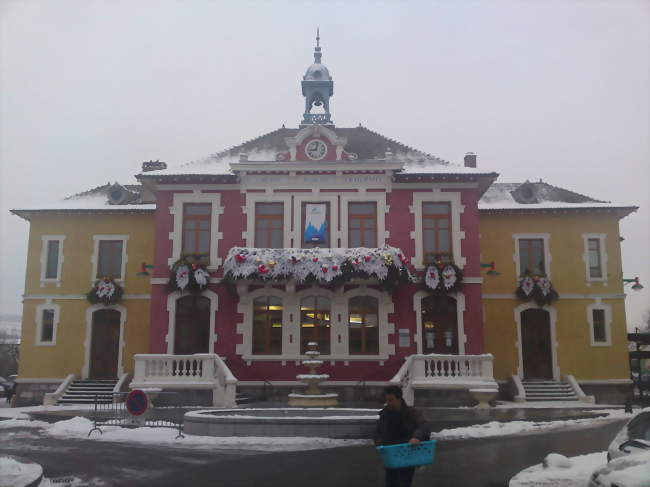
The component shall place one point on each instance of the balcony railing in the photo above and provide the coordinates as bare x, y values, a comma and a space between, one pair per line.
198, 371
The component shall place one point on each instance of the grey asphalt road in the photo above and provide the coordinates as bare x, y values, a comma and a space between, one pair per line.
488, 462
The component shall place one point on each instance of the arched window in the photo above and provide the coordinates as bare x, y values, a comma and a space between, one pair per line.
315, 323
192, 327
363, 323
267, 326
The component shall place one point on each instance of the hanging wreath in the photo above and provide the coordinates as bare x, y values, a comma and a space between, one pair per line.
187, 274
105, 291
443, 277
536, 288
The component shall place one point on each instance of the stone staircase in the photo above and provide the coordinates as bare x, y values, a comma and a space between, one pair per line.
84, 391
548, 390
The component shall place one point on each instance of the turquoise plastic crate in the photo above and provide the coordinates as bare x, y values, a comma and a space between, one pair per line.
407, 455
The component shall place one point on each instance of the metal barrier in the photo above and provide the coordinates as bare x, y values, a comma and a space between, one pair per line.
115, 413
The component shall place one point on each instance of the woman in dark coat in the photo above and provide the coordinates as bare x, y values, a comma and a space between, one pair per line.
400, 423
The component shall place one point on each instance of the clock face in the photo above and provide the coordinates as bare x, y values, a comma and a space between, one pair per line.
316, 150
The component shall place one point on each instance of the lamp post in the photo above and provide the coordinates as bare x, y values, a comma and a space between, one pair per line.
493, 268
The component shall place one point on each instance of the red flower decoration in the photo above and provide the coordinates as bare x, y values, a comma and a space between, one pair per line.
335, 268
367, 258
263, 269
315, 259
324, 268
240, 258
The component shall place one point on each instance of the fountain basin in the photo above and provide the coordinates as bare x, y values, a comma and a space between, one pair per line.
339, 423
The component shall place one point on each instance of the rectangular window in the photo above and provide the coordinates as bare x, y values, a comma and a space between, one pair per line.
109, 259
595, 258
362, 225
197, 219
531, 256
269, 225
315, 323
600, 333
436, 231
47, 326
52, 259
315, 223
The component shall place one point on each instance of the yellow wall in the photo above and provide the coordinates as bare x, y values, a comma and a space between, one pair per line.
575, 354
67, 356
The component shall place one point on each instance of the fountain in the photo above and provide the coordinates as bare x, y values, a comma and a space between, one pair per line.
313, 397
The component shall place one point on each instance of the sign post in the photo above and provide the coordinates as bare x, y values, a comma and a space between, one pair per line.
137, 404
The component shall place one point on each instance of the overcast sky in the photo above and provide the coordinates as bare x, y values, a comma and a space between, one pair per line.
547, 89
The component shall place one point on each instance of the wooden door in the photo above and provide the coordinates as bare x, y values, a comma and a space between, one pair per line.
192, 326
439, 333
536, 344
105, 344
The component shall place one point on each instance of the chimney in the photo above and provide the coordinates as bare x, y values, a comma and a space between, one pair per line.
470, 160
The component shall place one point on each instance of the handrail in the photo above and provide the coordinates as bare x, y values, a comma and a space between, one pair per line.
51, 398
521, 392
578, 390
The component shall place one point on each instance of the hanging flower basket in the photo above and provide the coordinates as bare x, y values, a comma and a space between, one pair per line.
105, 291
187, 274
536, 288
443, 277
335, 266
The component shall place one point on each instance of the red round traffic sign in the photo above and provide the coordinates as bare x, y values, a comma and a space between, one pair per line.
137, 402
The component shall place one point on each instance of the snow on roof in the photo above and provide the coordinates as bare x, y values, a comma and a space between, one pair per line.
434, 167
539, 196
92, 203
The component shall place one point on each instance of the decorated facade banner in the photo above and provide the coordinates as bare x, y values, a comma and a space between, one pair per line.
188, 276
315, 223
536, 288
334, 266
443, 278
105, 291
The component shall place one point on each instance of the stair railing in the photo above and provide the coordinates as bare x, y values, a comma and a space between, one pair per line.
51, 398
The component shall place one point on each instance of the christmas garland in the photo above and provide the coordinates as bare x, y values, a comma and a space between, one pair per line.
443, 278
536, 288
105, 291
333, 267
188, 275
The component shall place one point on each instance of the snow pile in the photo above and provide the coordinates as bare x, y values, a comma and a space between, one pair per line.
630, 471
22, 423
72, 427
574, 476
555, 460
15, 474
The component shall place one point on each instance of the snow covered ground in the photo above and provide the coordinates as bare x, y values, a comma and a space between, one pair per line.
575, 475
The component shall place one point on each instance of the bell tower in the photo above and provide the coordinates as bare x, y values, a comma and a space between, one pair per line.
317, 88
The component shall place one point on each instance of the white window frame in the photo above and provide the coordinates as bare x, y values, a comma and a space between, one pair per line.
47, 305
601, 237
335, 305
176, 236
608, 323
460, 313
95, 257
379, 198
59, 271
249, 210
457, 209
546, 237
172, 299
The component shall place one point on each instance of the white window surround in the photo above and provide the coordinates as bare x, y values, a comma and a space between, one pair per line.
460, 312
39, 322
95, 257
546, 237
59, 269
598, 304
249, 210
291, 323
603, 256
176, 236
382, 208
437, 196
553, 324
85, 371
172, 298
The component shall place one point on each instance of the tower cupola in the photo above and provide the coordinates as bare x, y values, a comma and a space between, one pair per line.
317, 88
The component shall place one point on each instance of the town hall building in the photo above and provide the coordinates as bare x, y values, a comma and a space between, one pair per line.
211, 278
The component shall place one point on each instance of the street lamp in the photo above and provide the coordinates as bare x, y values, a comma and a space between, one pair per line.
637, 286
493, 269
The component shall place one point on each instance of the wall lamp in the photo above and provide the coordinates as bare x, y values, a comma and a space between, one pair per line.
636, 286
493, 269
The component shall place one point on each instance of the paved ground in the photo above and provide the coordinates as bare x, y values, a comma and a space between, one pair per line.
483, 462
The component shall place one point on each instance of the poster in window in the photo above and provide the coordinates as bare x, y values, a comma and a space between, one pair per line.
315, 223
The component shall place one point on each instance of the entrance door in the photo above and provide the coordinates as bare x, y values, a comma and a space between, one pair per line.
439, 333
192, 326
536, 344
105, 344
